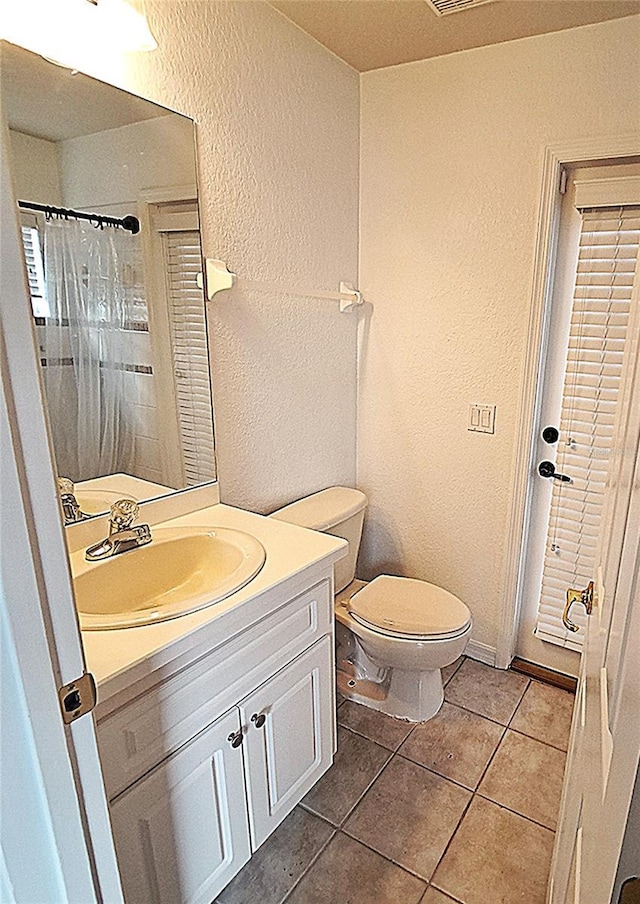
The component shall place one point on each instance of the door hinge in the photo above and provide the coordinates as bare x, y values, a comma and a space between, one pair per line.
562, 184
77, 698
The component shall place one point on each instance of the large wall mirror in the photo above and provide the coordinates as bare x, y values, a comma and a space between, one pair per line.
106, 183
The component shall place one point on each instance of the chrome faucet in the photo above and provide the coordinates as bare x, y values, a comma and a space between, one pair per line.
123, 535
70, 505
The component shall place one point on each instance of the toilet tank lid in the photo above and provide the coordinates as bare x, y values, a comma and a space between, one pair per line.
324, 509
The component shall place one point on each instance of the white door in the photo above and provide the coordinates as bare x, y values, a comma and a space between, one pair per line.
182, 831
40, 624
604, 750
289, 742
587, 331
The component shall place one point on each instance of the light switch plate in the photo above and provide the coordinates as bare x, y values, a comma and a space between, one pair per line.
482, 418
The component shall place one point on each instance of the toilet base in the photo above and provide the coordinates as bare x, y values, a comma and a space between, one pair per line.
411, 696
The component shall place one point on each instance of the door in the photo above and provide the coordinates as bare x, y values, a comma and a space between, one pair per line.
41, 641
181, 831
289, 740
588, 329
604, 749
173, 267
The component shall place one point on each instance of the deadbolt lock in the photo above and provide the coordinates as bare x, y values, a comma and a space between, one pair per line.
585, 597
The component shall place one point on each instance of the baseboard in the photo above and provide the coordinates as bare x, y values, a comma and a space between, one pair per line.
549, 676
481, 651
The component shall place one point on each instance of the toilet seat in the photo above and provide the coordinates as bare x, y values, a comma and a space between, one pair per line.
408, 608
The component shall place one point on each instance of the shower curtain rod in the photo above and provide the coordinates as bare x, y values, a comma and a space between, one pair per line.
131, 224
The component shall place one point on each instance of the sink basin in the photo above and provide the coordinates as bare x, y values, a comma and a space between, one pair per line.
180, 571
94, 502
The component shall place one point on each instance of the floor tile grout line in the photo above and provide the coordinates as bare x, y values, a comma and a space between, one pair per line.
469, 802
352, 808
446, 778
360, 735
342, 828
453, 835
447, 894
482, 715
539, 740
368, 738
445, 683
515, 812
366, 790
387, 858
312, 863
519, 703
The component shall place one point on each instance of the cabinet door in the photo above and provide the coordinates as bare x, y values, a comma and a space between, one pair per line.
181, 832
287, 751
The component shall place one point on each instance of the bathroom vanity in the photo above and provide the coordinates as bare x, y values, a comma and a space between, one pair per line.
214, 725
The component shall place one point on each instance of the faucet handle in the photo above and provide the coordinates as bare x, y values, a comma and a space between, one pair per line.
65, 486
123, 513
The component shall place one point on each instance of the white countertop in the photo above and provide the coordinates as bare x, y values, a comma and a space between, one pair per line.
116, 657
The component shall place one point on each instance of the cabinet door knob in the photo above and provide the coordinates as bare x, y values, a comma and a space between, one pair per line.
258, 720
235, 738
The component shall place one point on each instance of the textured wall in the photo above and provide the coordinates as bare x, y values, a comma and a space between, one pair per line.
451, 165
153, 153
278, 161
35, 168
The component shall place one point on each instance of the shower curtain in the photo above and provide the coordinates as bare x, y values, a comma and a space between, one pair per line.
85, 378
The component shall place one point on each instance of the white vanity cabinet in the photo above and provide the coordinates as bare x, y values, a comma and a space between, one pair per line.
286, 754
181, 831
201, 768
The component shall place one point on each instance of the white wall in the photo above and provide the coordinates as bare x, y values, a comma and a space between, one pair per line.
277, 125
451, 165
34, 165
116, 165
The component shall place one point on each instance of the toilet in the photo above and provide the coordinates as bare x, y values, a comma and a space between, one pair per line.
394, 634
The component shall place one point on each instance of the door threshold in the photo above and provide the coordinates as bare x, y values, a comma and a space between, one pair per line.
541, 673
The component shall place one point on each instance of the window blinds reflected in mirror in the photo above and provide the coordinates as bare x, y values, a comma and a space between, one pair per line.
183, 264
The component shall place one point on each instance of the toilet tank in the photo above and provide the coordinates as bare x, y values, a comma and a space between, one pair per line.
338, 511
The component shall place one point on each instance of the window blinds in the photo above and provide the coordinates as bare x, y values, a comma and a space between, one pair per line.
190, 358
607, 262
35, 270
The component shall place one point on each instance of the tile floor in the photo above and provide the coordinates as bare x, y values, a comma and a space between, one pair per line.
459, 809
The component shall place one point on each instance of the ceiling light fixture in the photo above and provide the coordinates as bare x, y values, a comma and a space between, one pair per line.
60, 29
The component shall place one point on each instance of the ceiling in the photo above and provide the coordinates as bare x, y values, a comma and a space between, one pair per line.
372, 34
48, 101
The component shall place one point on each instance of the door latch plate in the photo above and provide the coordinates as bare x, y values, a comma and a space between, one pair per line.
77, 698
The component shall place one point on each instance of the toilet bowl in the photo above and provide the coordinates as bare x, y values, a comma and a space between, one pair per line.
394, 634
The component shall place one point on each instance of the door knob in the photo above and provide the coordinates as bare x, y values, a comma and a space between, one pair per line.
235, 738
258, 720
577, 596
548, 469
